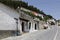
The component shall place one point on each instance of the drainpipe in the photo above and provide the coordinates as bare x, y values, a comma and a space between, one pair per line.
17, 28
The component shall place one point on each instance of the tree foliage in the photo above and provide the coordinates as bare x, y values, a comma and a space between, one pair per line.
11, 3
47, 17
50, 16
15, 4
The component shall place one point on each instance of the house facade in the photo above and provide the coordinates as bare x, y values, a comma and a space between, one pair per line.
29, 23
16, 22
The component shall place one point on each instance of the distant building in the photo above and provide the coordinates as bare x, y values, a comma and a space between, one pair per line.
51, 21
58, 22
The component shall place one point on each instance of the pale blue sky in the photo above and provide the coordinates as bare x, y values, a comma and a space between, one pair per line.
51, 7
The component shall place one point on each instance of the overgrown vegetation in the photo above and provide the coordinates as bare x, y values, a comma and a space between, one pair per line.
15, 4
31, 14
10, 3
47, 17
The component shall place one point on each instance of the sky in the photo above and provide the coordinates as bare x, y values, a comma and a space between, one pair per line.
49, 7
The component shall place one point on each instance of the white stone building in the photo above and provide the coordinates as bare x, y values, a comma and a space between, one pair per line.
8, 19
28, 22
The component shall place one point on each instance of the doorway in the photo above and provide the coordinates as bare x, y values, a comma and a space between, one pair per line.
29, 26
35, 26
22, 26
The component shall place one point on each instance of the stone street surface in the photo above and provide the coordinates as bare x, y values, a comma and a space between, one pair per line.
49, 34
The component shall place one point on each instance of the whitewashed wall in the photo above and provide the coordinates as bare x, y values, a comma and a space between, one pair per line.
7, 16
10, 11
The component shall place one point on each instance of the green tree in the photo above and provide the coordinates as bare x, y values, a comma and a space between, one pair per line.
47, 17
50, 16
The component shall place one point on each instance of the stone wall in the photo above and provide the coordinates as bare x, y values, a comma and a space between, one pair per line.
5, 34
